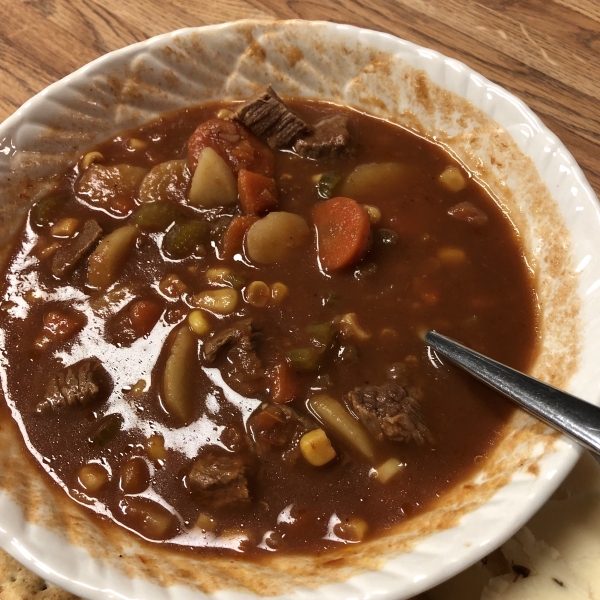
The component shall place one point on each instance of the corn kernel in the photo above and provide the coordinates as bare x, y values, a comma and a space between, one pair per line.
388, 469
91, 157
92, 477
373, 212
137, 144
316, 448
258, 293
453, 179
206, 522
220, 302
451, 256
172, 286
199, 323
138, 388
225, 113
155, 449
353, 530
65, 227
278, 292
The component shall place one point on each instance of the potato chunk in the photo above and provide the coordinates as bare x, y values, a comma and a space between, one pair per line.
166, 182
366, 179
177, 396
276, 237
213, 183
108, 258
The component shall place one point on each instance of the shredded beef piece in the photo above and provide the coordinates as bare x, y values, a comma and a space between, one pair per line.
220, 479
67, 257
390, 410
329, 139
77, 384
245, 368
268, 118
279, 428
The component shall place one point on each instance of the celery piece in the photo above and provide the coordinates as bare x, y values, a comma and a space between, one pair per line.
183, 238
156, 216
305, 359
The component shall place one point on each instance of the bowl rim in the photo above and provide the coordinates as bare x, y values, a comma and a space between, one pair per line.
567, 451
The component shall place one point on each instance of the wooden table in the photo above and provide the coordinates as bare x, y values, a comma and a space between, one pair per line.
547, 52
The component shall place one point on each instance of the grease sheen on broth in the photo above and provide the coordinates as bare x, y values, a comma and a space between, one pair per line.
428, 265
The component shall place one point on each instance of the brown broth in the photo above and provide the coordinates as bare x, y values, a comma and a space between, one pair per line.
487, 302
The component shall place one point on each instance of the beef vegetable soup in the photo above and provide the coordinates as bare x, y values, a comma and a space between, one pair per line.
213, 326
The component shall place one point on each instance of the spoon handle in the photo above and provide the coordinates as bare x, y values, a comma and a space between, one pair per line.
570, 415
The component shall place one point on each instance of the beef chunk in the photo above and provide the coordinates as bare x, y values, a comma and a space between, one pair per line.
329, 139
77, 384
244, 367
391, 411
268, 118
279, 428
67, 257
219, 479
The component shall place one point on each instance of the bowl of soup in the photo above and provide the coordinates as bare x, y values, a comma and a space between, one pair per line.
226, 246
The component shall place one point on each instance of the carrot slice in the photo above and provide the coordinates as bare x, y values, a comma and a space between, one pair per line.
234, 143
343, 229
233, 237
284, 384
258, 194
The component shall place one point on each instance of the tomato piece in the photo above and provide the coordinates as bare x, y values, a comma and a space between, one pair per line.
233, 237
235, 144
143, 316
343, 229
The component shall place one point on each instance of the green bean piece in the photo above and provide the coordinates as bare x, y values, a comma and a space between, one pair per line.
322, 334
46, 211
386, 237
305, 359
326, 184
235, 280
106, 429
183, 239
156, 216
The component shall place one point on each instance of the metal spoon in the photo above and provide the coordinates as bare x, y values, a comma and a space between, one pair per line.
570, 415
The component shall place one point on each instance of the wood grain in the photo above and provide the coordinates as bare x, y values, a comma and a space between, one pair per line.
547, 52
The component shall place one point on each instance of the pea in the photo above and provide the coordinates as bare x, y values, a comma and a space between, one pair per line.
183, 238
156, 216
305, 359
326, 184
47, 210
386, 237
106, 429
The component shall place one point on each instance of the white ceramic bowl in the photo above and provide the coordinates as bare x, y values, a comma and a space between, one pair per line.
493, 133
